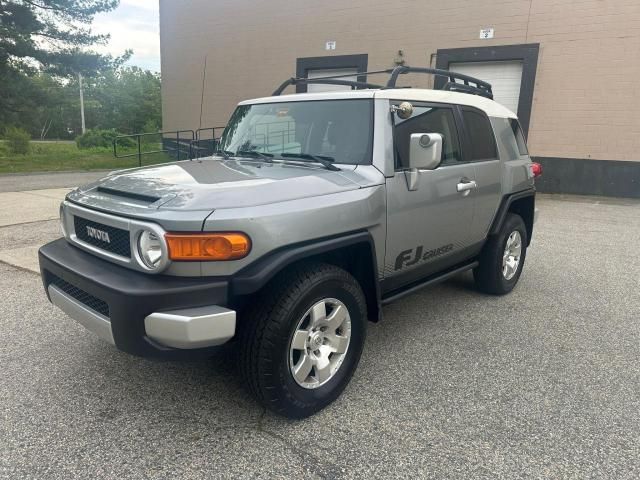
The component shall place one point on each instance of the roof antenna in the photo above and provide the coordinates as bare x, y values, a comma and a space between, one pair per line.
204, 77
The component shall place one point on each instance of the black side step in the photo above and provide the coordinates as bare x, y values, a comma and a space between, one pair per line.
414, 287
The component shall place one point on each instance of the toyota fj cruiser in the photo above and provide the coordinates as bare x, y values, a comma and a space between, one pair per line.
316, 210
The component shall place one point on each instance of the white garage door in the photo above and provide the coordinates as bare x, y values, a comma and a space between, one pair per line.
504, 77
314, 88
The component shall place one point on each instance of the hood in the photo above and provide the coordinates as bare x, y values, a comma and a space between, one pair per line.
209, 184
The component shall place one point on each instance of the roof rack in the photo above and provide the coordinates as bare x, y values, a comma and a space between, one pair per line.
469, 84
331, 80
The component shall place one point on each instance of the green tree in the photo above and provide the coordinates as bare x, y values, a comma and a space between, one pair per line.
53, 108
51, 33
127, 99
46, 36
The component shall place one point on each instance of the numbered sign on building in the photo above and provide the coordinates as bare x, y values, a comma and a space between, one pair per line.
486, 33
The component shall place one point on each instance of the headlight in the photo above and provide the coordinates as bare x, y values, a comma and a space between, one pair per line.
208, 246
63, 225
150, 249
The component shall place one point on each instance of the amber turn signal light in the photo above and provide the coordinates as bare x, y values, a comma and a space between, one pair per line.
207, 246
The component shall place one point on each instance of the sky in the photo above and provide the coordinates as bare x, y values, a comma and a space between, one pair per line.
133, 25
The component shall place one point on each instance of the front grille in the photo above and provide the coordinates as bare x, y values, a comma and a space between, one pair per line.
111, 239
83, 297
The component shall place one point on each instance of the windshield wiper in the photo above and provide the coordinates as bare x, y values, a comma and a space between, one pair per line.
252, 153
324, 160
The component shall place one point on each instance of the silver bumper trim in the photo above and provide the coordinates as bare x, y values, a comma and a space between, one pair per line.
192, 327
92, 321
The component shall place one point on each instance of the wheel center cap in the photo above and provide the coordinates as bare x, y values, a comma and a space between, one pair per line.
316, 340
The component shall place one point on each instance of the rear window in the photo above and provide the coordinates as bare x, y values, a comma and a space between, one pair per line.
517, 132
482, 142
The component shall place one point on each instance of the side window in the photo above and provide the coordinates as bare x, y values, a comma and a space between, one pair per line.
517, 131
482, 142
506, 138
427, 120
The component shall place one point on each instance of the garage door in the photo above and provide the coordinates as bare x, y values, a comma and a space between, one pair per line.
329, 72
504, 77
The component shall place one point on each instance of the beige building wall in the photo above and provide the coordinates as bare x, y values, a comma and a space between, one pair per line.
586, 100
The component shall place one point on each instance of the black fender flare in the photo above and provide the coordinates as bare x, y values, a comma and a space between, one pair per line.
253, 277
504, 207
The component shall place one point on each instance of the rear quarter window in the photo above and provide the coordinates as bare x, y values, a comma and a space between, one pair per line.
482, 144
517, 132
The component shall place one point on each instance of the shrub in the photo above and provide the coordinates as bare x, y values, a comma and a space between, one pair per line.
17, 141
102, 138
4, 150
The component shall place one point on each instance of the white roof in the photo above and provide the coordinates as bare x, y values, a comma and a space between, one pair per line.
491, 108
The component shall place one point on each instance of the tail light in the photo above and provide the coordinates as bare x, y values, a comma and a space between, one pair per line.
536, 169
208, 246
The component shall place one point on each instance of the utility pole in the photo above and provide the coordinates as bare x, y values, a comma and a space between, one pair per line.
81, 103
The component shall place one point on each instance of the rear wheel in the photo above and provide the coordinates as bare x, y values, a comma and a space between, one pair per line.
502, 258
302, 342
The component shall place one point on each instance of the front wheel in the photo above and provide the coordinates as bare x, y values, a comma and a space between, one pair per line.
502, 258
302, 342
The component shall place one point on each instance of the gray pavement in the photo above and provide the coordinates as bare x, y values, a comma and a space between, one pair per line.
541, 383
19, 182
32, 200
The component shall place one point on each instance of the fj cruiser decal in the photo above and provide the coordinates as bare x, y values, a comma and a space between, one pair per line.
405, 258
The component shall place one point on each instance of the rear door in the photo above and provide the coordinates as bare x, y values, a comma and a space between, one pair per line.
430, 228
481, 150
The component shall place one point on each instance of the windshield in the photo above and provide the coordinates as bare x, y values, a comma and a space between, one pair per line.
339, 131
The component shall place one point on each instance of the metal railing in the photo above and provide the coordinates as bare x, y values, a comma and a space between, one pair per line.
202, 145
180, 144
174, 143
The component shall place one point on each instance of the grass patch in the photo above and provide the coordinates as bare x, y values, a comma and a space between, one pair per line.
54, 157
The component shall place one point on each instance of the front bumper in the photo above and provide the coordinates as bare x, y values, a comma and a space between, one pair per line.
146, 315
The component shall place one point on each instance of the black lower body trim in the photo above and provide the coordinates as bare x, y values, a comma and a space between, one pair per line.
437, 278
127, 296
416, 275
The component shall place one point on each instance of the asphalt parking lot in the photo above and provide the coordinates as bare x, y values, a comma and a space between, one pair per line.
542, 383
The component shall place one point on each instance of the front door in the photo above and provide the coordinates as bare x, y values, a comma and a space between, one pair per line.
429, 228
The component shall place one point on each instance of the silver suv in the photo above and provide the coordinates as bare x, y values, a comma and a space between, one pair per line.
316, 210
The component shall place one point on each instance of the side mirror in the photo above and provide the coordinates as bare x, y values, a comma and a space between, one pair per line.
425, 151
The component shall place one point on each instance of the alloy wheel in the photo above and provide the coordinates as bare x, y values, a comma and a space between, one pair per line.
320, 343
512, 255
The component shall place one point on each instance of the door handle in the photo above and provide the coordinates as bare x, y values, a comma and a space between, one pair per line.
466, 186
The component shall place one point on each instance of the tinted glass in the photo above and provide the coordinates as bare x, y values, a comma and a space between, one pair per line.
483, 145
427, 120
506, 138
340, 129
517, 131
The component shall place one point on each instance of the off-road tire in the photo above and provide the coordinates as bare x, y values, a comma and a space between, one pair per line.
266, 331
488, 275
